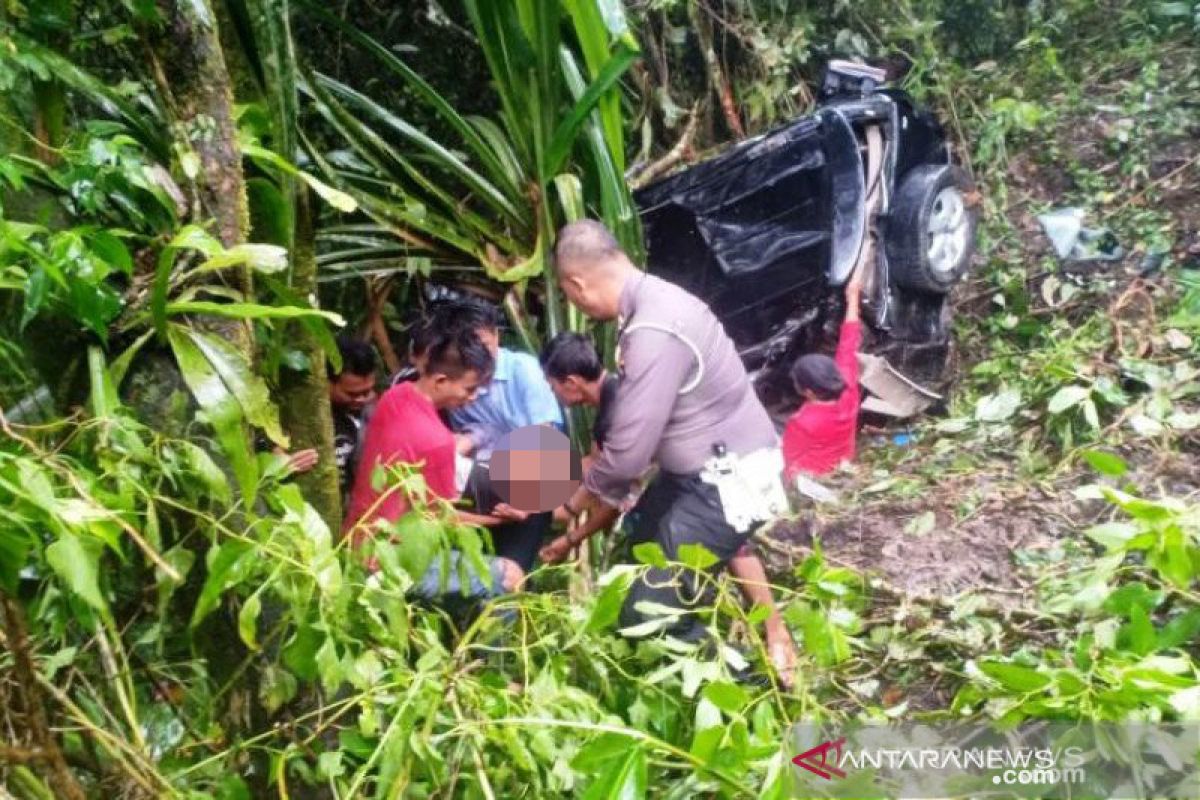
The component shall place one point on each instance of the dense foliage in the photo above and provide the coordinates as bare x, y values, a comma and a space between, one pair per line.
181, 618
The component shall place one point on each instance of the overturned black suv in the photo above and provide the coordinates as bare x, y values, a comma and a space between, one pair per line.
768, 232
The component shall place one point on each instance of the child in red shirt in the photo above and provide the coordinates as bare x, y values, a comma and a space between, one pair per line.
820, 436
406, 429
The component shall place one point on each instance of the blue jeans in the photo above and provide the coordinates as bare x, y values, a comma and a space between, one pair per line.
436, 585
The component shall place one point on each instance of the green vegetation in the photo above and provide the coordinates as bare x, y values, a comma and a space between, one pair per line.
180, 619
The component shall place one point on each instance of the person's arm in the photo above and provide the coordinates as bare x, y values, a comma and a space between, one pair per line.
602, 517
850, 336
657, 365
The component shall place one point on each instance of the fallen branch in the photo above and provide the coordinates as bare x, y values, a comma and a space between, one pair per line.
675, 155
60, 777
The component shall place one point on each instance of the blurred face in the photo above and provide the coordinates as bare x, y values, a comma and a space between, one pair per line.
569, 390
451, 393
352, 392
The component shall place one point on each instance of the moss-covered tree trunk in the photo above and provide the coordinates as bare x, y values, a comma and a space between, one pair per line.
304, 396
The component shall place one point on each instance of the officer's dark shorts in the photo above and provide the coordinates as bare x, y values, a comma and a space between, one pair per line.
677, 510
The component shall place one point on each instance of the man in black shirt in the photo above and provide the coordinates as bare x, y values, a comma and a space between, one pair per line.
351, 393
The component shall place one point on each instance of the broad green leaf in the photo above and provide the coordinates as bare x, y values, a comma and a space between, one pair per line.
649, 553
221, 408
202, 465
1105, 463
1139, 632
250, 311
601, 750
1066, 398
568, 130
1145, 425
248, 621
696, 556
1015, 677
624, 779
607, 609
1112, 535
221, 569
998, 407
76, 561
418, 541
266, 258
1180, 630
729, 697
15, 546
276, 687
247, 387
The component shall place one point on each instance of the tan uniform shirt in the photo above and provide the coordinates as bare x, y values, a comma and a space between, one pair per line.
652, 421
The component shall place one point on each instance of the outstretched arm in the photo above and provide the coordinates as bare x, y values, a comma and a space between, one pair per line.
853, 296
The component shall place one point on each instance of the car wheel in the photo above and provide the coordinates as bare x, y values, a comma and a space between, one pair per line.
931, 233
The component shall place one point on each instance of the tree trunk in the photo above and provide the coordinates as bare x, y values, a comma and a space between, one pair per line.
304, 397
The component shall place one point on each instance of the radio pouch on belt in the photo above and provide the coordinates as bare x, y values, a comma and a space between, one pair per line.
750, 486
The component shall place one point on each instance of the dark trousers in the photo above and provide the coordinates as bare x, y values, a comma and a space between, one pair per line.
678, 510
520, 541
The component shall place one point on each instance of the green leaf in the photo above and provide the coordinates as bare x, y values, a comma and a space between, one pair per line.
221, 571
247, 387
649, 553
76, 561
625, 778
1066, 398
998, 407
266, 258
1139, 632
15, 546
1112, 535
568, 130
607, 609
250, 311
419, 540
600, 751
1015, 677
696, 556
1180, 630
276, 687
203, 467
729, 697
221, 408
1105, 463
248, 621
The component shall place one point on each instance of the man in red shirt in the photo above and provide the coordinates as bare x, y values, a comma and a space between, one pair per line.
406, 429
820, 435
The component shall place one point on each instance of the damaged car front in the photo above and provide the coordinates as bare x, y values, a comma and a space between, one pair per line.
769, 231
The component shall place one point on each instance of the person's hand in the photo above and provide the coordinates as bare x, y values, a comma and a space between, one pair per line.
559, 548
855, 284
300, 461
782, 652
562, 517
506, 512
464, 445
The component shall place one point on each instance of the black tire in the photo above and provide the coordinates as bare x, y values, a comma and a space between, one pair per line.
921, 258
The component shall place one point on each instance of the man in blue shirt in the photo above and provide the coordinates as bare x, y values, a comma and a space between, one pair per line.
518, 395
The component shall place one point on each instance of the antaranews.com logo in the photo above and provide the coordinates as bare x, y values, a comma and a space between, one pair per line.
1036, 760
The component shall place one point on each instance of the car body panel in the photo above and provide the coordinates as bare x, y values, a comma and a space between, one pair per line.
767, 232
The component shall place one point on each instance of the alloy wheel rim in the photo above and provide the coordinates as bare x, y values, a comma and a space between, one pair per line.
948, 231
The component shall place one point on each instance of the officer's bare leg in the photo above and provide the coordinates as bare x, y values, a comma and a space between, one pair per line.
748, 571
